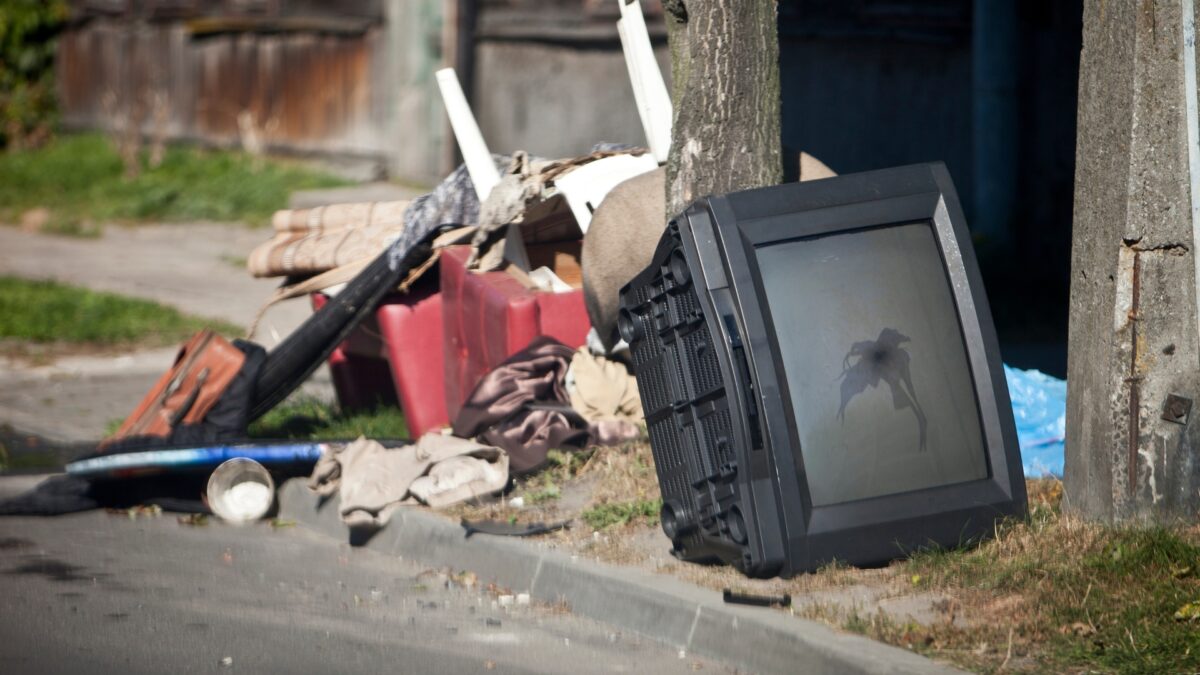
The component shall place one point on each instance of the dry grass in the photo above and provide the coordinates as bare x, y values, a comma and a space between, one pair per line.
1048, 593
575, 485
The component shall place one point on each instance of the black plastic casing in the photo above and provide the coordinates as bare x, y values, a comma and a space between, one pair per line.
713, 388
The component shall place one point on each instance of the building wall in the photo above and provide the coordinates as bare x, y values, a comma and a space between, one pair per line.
867, 88
344, 79
550, 77
354, 79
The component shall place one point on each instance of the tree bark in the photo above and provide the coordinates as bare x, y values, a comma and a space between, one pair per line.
1133, 361
725, 75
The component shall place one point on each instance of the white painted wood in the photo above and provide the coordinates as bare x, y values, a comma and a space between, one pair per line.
466, 131
635, 80
586, 186
654, 99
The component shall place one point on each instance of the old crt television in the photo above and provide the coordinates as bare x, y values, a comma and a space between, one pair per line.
821, 377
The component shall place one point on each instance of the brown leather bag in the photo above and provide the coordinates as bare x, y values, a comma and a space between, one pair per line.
203, 370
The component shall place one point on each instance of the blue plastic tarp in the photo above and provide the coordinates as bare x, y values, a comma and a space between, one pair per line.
1039, 403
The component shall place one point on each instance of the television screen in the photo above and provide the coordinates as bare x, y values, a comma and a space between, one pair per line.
875, 363
821, 376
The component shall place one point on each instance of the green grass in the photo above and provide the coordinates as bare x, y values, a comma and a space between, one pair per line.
309, 418
603, 516
80, 179
47, 311
541, 488
29, 460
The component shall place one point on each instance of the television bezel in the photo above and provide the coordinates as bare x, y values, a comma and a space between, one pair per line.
882, 527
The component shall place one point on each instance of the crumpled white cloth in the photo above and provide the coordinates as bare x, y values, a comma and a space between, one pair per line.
373, 481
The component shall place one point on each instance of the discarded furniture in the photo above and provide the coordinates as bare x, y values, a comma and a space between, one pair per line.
489, 316
395, 356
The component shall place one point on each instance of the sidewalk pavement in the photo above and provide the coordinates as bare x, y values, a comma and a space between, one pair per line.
197, 268
660, 607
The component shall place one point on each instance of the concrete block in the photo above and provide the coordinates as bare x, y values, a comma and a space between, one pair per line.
616, 596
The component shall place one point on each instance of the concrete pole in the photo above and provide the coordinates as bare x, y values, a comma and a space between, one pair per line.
1133, 441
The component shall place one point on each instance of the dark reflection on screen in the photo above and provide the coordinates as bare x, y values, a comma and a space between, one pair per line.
875, 363
882, 360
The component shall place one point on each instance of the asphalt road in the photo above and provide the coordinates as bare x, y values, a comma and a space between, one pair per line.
104, 593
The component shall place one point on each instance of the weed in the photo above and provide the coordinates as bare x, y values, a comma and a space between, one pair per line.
541, 488
567, 463
28, 32
620, 513
310, 418
111, 426
32, 460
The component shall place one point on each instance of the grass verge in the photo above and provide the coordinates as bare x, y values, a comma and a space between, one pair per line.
1053, 593
79, 179
51, 312
313, 419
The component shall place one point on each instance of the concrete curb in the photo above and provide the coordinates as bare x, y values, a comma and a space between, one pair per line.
652, 605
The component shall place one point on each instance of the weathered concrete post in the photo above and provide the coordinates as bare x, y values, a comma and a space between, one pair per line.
1133, 441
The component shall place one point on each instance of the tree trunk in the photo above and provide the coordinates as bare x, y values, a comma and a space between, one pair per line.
1134, 366
725, 75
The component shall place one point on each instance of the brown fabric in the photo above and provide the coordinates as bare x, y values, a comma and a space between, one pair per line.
500, 411
203, 370
613, 432
311, 241
523, 407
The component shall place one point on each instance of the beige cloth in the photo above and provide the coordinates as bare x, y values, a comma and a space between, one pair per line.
346, 273
373, 481
458, 479
602, 389
311, 241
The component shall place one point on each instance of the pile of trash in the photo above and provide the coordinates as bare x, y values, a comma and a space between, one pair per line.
514, 264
